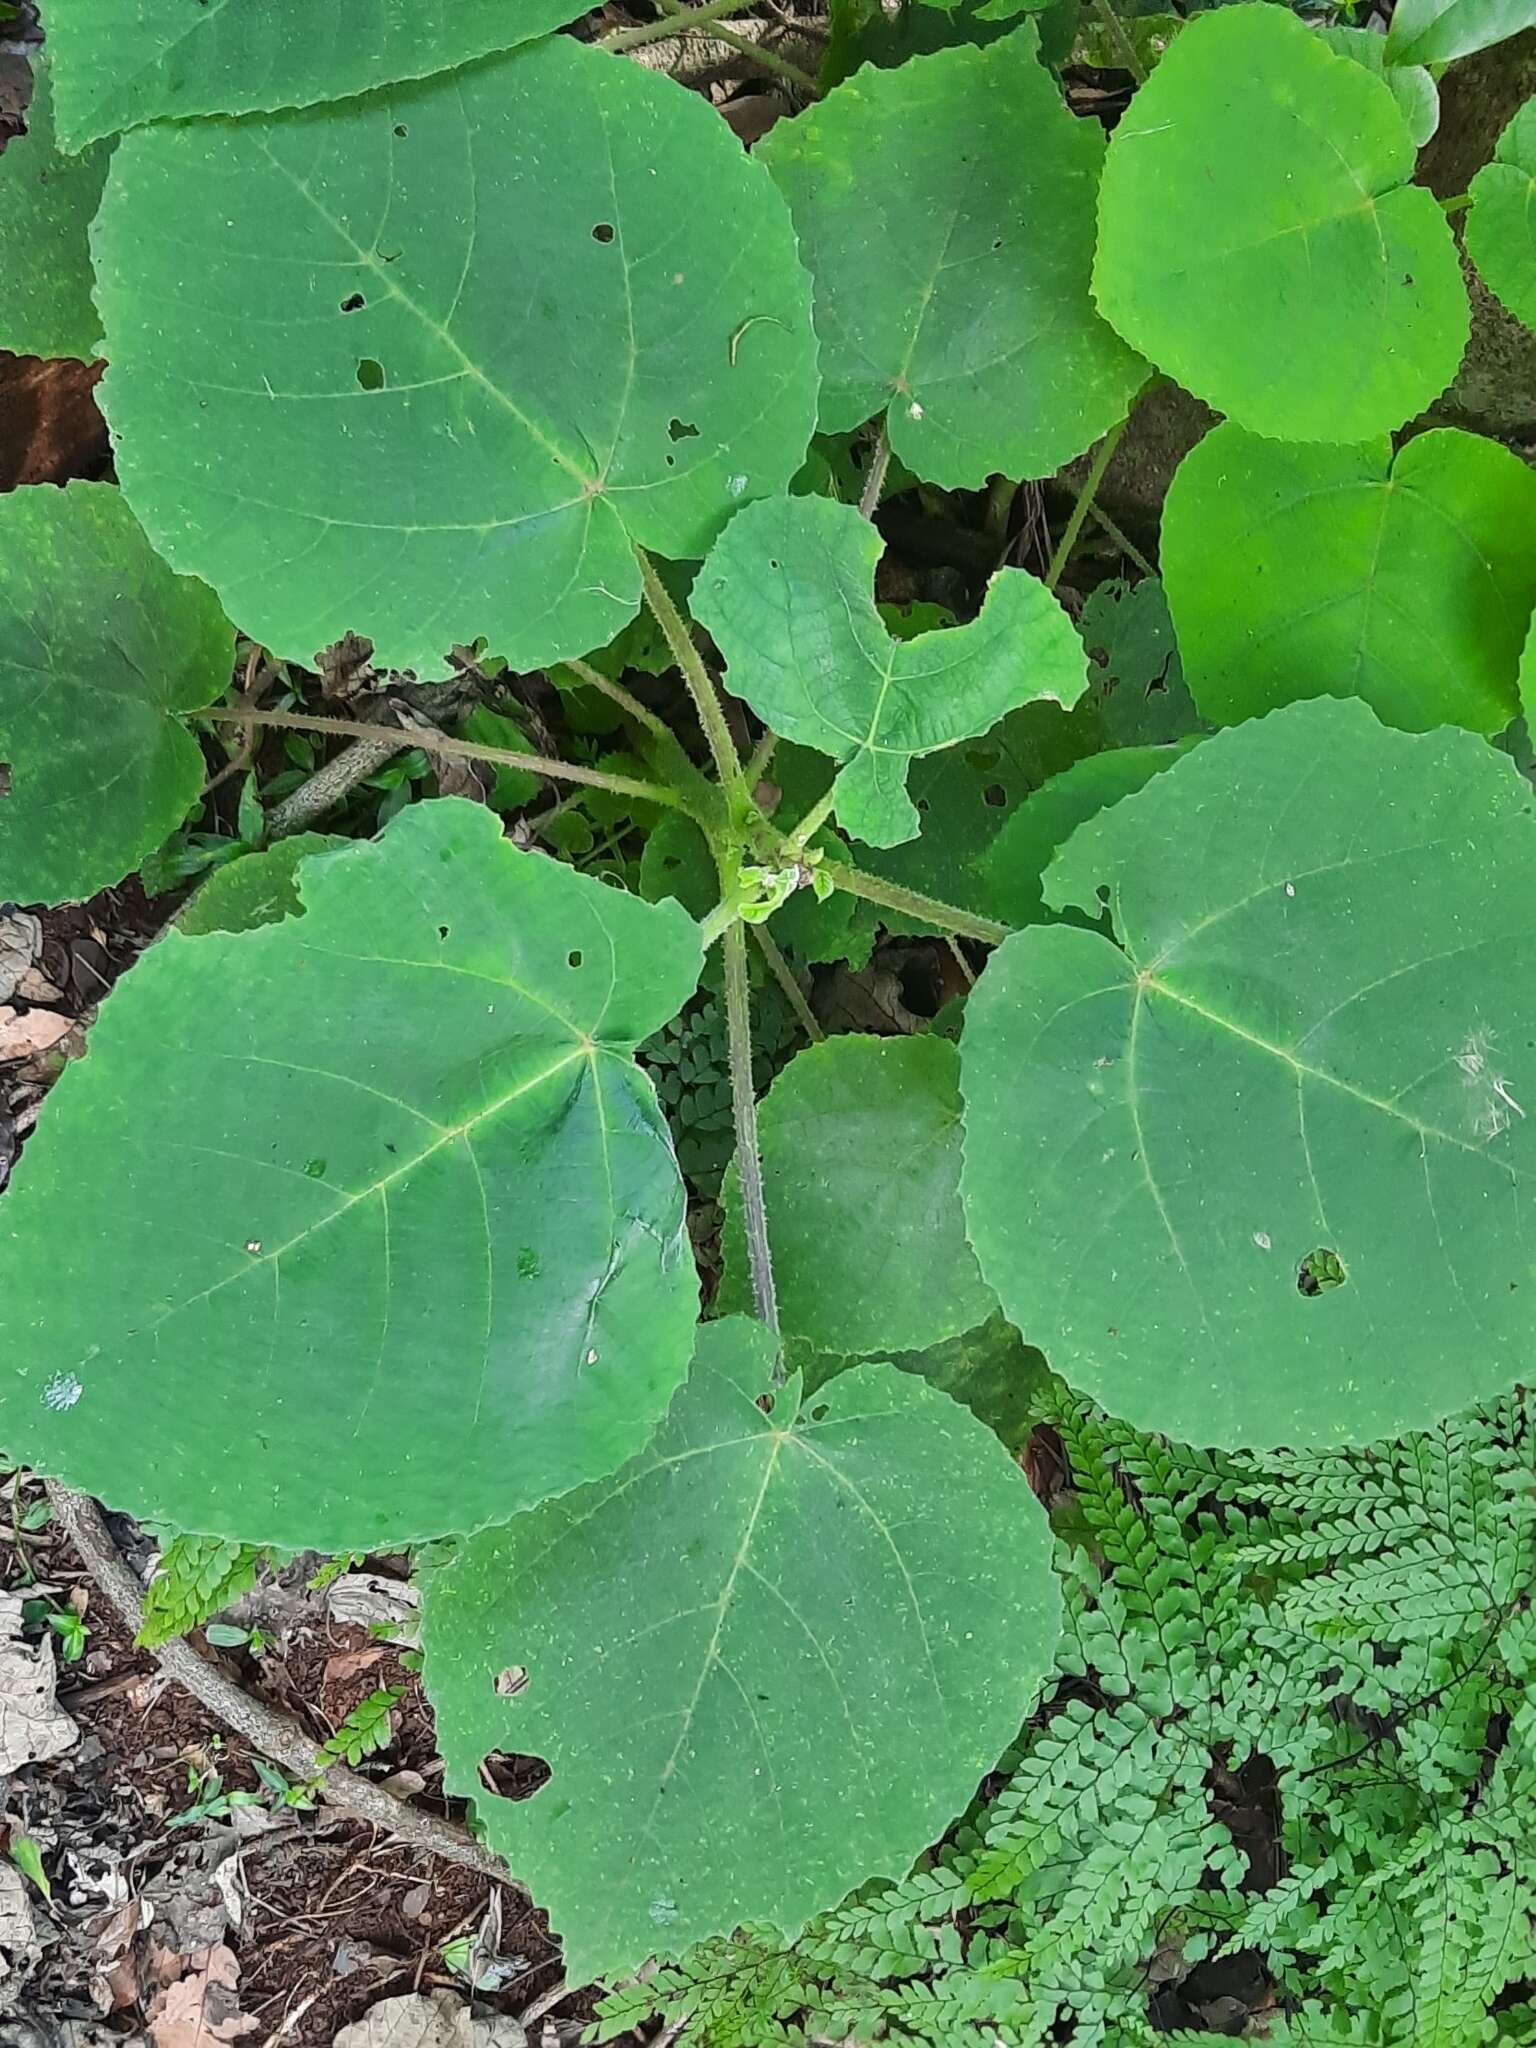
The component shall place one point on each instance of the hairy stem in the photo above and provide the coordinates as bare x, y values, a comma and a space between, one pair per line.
1123, 541
756, 767
1121, 43
668, 25
944, 917
785, 976
274, 1734
749, 1162
814, 819
1104, 455
706, 698
874, 483
759, 54
616, 692
463, 750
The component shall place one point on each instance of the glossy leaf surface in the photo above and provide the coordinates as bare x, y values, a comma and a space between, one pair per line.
1306, 571
1260, 241
1501, 222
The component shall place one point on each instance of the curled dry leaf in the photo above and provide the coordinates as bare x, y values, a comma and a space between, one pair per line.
33, 1727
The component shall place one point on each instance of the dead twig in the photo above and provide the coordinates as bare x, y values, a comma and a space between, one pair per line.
274, 1734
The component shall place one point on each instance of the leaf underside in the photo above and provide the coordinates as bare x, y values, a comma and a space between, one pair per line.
488, 363
394, 1233
761, 1614
101, 646
1325, 953
1260, 241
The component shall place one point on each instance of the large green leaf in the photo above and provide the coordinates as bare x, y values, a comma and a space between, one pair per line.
123, 62
1260, 241
47, 201
765, 1622
101, 647
1308, 571
860, 1140
484, 366
1035, 832
952, 267
1436, 31
1313, 1037
393, 1226
1411, 85
787, 592
1501, 222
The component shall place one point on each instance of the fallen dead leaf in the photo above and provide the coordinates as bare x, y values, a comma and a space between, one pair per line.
21, 940
33, 1727
369, 1600
438, 2020
19, 1944
23, 1037
202, 2009
351, 1664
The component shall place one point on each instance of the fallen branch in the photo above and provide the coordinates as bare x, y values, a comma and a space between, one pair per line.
274, 1734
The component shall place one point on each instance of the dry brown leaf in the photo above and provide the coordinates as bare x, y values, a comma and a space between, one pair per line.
202, 2009
33, 1727
441, 2020
50, 427
350, 1664
24, 1037
21, 940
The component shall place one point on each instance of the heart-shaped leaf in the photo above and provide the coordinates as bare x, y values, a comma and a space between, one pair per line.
394, 1230
787, 593
1259, 238
1438, 31
1501, 221
484, 368
123, 62
762, 1614
101, 647
45, 259
1260, 1172
1309, 571
952, 267
860, 1141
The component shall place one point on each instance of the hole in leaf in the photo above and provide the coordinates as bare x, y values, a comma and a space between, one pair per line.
442, 931
511, 1776
765, 1402
995, 795
370, 375
820, 1412
773, 565
680, 430
923, 806
354, 304
603, 232
997, 245
512, 1681
401, 130
1318, 1272
573, 959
